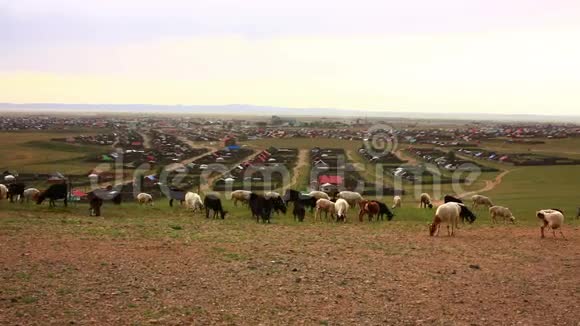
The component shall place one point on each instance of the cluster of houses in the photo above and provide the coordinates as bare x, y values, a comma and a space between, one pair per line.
166, 148
472, 135
378, 156
45, 122
521, 159
215, 129
528, 130
266, 170
331, 171
131, 149
244, 133
447, 161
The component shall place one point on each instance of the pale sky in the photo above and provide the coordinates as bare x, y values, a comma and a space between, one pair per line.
489, 56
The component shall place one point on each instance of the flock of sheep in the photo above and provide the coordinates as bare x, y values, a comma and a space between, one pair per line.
337, 207
454, 209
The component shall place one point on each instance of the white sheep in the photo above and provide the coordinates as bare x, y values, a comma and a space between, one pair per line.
31, 194
351, 197
503, 212
324, 205
425, 201
3, 191
319, 194
241, 196
480, 200
144, 198
272, 194
397, 201
193, 201
553, 219
341, 208
449, 214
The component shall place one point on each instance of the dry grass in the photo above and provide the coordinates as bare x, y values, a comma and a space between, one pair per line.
149, 266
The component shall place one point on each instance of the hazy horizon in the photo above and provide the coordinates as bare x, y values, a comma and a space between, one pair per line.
244, 110
445, 57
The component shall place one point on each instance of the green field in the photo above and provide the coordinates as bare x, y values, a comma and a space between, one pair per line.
34, 152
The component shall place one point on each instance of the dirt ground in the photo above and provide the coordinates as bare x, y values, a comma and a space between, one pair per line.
307, 274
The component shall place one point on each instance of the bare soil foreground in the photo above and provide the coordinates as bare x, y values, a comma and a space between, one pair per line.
56, 270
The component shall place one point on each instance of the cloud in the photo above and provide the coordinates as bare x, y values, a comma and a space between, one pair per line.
448, 55
127, 21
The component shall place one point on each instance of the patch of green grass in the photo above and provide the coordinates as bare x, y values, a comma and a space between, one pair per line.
64, 291
29, 299
528, 189
22, 276
229, 256
34, 152
62, 147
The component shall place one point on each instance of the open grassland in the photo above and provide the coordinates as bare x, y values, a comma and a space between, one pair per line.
161, 265
526, 189
569, 147
34, 152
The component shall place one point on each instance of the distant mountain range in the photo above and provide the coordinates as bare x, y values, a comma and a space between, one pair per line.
255, 110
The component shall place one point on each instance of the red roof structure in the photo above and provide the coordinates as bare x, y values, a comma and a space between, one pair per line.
332, 179
78, 193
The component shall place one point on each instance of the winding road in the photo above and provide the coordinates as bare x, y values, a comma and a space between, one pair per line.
146, 139
206, 186
489, 185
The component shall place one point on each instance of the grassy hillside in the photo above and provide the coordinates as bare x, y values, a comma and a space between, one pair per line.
33, 152
527, 189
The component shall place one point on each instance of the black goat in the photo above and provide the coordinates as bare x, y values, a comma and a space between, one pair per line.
53, 193
213, 203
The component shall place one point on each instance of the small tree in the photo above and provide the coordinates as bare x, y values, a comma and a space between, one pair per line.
450, 156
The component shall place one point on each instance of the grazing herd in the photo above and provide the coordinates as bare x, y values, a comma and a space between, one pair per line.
264, 206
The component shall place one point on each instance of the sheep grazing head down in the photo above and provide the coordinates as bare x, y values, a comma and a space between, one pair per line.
433, 226
466, 213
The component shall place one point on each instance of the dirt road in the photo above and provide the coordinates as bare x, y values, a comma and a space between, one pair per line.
300, 163
489, 185
205, 187
146, 139
404, 157
211, 148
